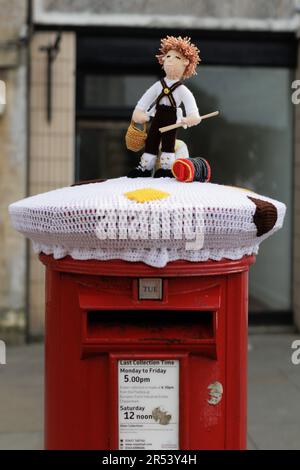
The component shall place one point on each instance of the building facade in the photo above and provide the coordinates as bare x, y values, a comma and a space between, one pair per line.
89, 62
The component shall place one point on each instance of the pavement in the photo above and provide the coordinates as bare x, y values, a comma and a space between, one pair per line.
273, 395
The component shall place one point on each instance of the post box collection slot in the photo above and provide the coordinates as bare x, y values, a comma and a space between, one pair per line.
150, 326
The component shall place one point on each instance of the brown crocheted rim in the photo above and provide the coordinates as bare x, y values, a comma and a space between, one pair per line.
79, 183
265, 216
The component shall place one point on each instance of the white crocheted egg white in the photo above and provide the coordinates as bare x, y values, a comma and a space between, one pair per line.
197, 222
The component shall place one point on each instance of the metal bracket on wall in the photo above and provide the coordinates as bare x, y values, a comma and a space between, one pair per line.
52, 51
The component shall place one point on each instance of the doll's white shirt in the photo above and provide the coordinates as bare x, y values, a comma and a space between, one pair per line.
181, 95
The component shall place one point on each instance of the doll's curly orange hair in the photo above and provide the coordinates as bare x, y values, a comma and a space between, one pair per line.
185, 47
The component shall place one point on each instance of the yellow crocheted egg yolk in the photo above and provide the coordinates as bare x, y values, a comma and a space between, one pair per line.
146, 194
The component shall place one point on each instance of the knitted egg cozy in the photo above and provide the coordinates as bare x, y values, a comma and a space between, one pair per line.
196, 222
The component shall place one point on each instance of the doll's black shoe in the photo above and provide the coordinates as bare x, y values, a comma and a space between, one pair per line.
161, 173
139, 172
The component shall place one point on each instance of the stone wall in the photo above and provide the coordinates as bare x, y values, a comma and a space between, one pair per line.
52, 144
13, 143
254, 14
202, 8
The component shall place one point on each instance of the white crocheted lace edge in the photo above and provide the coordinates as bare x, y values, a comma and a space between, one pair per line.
155, 257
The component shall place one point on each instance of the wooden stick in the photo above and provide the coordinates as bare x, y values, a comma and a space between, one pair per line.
181, 124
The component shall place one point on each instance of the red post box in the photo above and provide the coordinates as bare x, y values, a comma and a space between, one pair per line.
145, 358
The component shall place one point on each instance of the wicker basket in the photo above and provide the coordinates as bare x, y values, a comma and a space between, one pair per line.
135, 138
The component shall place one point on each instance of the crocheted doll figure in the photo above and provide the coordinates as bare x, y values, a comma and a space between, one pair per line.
179, 58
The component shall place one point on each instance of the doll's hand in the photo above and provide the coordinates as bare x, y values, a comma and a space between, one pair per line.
191, 121
139, 116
